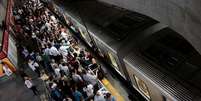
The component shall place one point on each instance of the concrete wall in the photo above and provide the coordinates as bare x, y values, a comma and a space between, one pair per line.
183, 16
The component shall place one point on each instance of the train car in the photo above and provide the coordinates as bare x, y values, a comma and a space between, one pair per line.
110, 30
165, 67
160, 63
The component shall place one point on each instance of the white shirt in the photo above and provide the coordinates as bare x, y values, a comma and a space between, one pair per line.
25, 52
57, 72
48, 25
53, 51
33, 65
64, 50
28, 83
90, 78
46, 51
65, 69
76, 78
64, 35
77, 51
89, 90
99, 98
53, 19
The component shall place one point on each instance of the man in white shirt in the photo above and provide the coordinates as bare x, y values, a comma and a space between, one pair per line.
64, 35
89, 90
48, 26
53, 51
76, 78
57, 72
34, 66
92, 79
30, 85
52, 17
99, 96
65, 68
64, 50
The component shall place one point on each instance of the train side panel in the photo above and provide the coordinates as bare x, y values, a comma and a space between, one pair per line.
143, 85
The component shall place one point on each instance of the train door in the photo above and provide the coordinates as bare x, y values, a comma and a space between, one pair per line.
100, 48
85, 35
114, 62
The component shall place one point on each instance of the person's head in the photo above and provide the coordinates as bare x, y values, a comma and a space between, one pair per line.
63, 64
26, 78
108, 96
74, 88
49, 45
75, 54
29, 60
74, 71
53, 61
84, 71
98, 93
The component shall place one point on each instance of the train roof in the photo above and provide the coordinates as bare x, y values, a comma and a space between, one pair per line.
113, 25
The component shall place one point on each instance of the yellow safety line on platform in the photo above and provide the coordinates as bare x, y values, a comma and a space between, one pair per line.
112, 90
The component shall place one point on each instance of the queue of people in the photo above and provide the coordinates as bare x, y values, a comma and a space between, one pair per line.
55, 56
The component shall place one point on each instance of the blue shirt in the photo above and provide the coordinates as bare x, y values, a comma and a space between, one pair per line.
77, 95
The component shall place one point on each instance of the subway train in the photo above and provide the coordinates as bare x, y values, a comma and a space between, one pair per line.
157, 61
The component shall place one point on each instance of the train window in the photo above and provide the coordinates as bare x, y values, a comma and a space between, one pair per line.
83, 33
67, 19
177, 43
190, 67
127, 24
113, 60
118, 31
142, 87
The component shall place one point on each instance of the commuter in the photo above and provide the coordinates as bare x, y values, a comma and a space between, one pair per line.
34, 66
46, 62
57, 72
56, 94
64, 68
109, 97
53, 51
74, 63
64, 50
89, 78
99, 96
77, 94
76, 78
28, 82
89, 91
25, 52
100, 73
